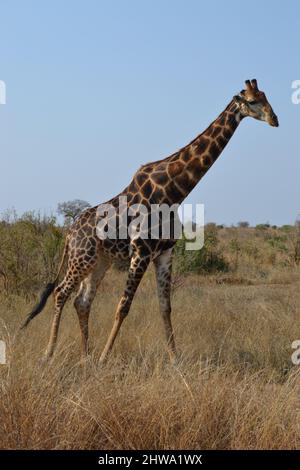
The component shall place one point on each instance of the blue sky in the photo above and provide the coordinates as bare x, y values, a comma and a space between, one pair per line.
96, 88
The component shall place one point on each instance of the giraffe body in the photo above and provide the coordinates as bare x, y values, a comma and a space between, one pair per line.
166, 181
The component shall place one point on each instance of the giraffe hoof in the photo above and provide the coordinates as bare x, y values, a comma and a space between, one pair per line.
174, 361
45, 359
102, 361
85, 360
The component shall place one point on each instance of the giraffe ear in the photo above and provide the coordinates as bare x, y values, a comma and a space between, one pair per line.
240, 99
254, 84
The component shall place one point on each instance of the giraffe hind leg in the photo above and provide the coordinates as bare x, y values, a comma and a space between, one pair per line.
75, 274
61, 295
85, 297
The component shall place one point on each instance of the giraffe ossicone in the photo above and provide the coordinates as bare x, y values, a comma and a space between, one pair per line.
163, 182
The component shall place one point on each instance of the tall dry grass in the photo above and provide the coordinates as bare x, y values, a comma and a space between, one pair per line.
234, 386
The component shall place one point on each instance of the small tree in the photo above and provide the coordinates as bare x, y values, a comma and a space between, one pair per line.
243, 224
71, 209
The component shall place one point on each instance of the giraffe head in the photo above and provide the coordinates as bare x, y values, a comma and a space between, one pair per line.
253, 102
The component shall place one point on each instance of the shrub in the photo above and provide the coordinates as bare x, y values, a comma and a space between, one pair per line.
206, 260
262, 226
29, 250
243, 224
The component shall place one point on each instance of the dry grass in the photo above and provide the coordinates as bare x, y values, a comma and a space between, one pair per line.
234, 386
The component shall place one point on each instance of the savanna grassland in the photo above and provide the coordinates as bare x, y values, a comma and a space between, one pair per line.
236, 312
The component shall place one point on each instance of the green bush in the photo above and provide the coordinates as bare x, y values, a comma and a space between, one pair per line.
29, 250
206, 260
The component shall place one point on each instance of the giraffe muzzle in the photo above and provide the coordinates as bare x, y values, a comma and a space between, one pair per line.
274, 121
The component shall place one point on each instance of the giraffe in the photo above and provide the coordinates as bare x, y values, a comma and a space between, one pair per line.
166, 181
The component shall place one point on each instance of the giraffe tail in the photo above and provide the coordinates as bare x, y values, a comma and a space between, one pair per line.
46, 292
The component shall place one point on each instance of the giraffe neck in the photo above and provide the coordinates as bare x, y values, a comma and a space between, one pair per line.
190, 164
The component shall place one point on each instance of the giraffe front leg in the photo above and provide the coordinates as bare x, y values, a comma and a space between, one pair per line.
137, 269
163, 271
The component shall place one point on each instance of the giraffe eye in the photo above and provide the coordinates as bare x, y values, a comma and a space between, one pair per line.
253, 102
